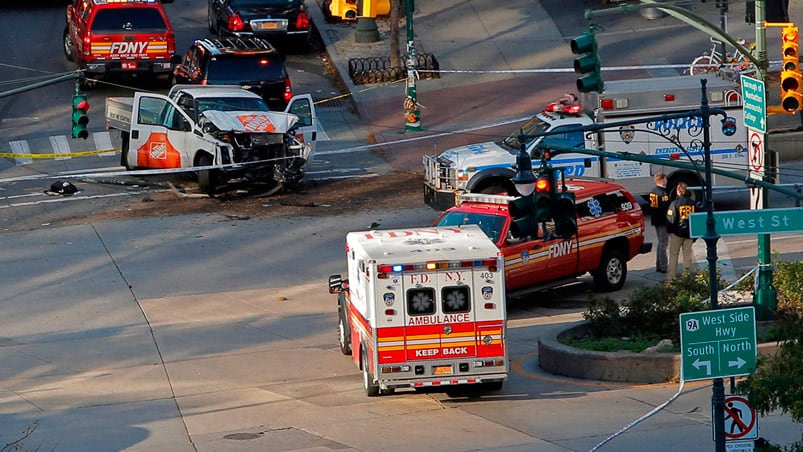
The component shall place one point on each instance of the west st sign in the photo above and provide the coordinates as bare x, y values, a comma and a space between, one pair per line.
719, 343
749, 222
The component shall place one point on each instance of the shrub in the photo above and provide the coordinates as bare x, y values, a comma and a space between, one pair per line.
777, 382
650, 311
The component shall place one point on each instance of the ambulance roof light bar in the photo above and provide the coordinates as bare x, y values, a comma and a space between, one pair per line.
103, 2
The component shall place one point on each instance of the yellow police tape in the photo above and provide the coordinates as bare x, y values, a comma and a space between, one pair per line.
14, 155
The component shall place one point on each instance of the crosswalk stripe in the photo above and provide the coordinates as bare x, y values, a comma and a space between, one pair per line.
724, 262
21, 147
60, 146
103, 140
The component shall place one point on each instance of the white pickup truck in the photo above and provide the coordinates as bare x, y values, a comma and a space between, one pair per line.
224, 132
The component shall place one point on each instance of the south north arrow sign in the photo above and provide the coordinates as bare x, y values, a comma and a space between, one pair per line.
749, 222
719, 343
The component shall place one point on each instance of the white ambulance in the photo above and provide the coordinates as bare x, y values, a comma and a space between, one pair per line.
423, 307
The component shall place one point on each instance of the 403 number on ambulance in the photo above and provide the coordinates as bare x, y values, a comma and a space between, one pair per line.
423, 308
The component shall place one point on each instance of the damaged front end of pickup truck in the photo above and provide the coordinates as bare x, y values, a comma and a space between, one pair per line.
256, 147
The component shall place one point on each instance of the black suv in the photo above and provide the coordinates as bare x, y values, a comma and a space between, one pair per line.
251, 63
268, 19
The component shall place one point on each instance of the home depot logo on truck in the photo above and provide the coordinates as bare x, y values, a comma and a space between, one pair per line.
423, 307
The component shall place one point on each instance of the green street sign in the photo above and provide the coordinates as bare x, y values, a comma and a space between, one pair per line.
754, 104
719, 343
749, 222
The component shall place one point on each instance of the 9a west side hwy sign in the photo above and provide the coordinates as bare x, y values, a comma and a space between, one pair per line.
749, 222
719, 343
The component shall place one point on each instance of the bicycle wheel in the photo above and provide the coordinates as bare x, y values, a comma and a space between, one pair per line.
703, 64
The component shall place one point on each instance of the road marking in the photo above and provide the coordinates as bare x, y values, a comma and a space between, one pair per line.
103, 140
724, 263
50, 200
60, 146
21, 147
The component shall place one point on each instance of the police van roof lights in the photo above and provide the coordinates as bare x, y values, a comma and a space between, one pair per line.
568, 104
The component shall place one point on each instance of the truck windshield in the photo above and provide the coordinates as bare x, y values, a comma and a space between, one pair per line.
491, 225
231, 104
128, 20
533, 126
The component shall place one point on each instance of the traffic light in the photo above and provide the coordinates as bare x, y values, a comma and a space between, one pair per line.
344, 9
80, 108
587, 63
528, 211
375, 8
791, 86
564, 211
523, 222
542, 199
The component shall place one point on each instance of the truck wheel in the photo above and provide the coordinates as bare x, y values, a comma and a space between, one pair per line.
493, 190
371, 388
612, 271
343, 334
124, 152
207, 179
210, 19
691, 181
68, 47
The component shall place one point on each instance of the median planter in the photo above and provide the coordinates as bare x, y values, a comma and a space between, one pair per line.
624, 366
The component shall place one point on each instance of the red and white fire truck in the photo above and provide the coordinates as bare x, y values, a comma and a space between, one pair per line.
422, 308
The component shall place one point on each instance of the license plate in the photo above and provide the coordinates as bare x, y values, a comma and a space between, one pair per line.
129, 65
269, 25
442, 370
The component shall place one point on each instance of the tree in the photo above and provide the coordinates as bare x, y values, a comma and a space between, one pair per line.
395, 16
777, 382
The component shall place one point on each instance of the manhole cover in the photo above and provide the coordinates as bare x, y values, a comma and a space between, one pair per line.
242, 436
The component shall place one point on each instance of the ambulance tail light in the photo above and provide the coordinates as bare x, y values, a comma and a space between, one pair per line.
236, 23
390, 312
490, 363
490, 306
394, 369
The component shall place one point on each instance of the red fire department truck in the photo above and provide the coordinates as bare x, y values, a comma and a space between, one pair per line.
422, 308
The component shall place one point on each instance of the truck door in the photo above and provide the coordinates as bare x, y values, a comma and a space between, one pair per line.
161, 133
303, 107
439, 315
562, 256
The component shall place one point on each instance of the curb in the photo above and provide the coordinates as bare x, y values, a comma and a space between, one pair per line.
628, 367
316, 14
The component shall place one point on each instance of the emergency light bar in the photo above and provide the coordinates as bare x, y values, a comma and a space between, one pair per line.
484, 198
434, 265
103, 2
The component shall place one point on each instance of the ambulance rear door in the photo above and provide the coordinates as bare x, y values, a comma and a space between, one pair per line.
439, 315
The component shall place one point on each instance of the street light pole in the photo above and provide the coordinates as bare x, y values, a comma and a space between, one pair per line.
765, 298
412, 114
710, 238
